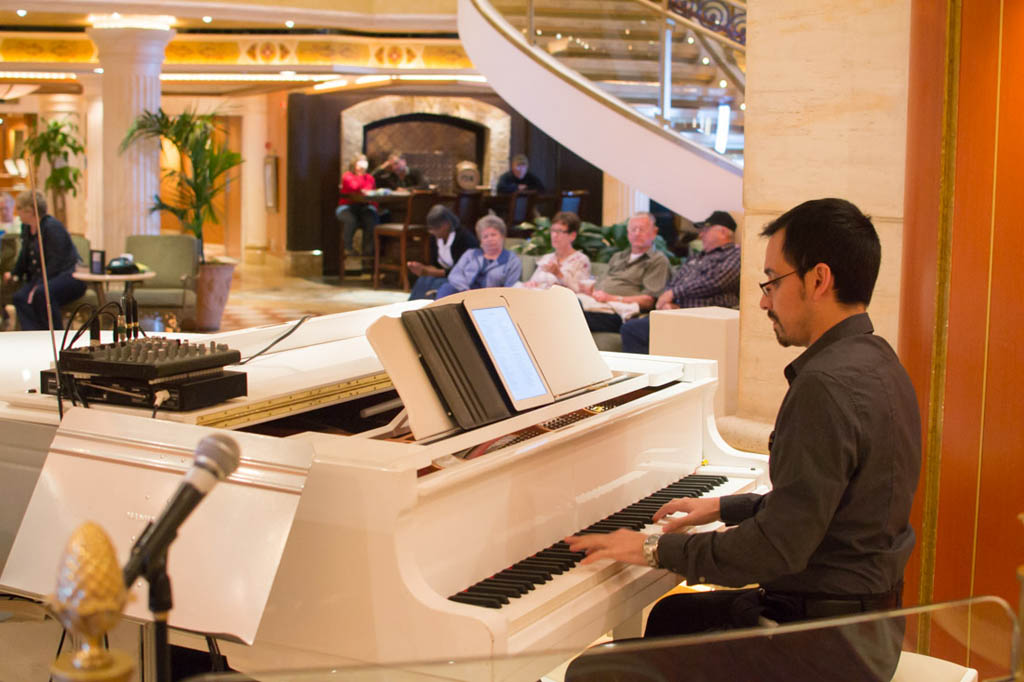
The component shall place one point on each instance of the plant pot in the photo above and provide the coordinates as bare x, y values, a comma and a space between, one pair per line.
212, 290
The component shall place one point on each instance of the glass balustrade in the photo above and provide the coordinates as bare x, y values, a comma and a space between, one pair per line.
679, 63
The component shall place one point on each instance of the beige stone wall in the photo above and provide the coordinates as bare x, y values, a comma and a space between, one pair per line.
497, 122
826, 116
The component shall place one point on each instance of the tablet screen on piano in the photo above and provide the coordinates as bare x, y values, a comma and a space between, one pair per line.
516, 366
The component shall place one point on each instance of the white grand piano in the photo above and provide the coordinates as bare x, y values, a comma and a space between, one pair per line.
341, 538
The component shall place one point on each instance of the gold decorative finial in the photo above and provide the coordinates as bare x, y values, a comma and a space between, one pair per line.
89, 599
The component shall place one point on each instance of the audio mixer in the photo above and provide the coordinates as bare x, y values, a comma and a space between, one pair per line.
173, 374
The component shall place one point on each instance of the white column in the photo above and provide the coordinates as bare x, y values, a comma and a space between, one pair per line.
131, 60
61, 107
254, 208
92, 92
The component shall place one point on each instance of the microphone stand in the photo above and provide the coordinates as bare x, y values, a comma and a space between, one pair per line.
160, 604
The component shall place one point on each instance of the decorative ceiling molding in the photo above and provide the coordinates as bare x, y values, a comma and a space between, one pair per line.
285, 49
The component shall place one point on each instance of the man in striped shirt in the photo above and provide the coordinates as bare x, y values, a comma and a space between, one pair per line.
711, 278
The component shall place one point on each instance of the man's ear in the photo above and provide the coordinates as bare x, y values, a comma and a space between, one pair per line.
820, 282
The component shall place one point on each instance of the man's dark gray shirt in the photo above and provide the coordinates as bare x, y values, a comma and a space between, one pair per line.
844, 462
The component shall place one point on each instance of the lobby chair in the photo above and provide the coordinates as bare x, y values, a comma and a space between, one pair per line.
413, 230
175, 260
469, 207
572, 200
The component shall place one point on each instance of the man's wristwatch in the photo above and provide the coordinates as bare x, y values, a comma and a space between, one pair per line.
651, 550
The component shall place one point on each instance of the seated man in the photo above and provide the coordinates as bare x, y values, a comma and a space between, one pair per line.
518, 177
396, 174
60, 261
633, 281
710, 278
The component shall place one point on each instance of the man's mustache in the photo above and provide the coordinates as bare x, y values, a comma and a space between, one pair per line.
772, 316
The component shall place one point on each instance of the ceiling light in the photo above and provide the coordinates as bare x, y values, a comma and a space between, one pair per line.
98, 69
289, 24
689, 40
207, 19
287, 72
16, 90
21, 12
743, 106
705, 61
242, 77
36, 75
363, 80
161, 22
558, 36
723, 83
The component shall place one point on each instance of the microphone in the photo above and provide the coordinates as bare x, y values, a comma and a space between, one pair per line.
216, 458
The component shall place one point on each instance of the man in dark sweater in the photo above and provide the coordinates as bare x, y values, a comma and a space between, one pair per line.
60, 259
833, 535
518, 177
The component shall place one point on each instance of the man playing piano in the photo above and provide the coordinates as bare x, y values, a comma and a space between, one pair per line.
833, 535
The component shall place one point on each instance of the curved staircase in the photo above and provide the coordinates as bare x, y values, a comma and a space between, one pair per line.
589, 74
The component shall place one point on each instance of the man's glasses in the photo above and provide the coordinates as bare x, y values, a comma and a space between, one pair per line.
768, 287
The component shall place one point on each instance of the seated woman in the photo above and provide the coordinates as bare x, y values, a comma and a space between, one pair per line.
492, 265
566, 267
450, 241
354, 216
60, 260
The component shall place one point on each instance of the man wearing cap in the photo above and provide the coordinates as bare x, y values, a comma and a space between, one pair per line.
519, 178
710, 278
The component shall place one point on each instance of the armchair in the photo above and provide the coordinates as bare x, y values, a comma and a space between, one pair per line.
175, 260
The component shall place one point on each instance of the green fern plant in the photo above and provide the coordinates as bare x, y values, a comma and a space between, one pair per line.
203, 165
58, 142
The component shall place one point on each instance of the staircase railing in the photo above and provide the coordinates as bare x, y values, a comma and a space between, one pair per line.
606, 124
679, 63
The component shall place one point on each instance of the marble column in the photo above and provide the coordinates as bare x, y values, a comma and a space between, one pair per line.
92, 94
59, 107
254, 148
131, 59
826, 117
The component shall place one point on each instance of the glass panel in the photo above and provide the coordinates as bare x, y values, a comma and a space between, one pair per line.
618, 46
978, 634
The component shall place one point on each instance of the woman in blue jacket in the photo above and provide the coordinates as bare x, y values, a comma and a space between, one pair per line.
491, 265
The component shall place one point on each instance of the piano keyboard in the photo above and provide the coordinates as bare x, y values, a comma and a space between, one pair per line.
522, 577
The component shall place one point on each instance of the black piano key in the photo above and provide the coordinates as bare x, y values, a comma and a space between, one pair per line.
520, 587
479, 591
537, 575
474, 600
515, 580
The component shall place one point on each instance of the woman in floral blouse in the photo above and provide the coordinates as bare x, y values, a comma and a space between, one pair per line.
566, 266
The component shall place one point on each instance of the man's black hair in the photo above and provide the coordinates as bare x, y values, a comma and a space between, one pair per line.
834, 232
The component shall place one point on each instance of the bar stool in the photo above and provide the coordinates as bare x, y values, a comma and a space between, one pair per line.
414, 228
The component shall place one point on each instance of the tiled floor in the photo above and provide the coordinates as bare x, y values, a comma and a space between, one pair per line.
262, 294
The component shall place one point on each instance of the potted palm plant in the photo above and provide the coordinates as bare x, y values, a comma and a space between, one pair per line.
201, 174
57, 141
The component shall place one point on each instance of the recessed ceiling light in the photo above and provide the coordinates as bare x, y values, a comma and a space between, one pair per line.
723, 83
289, 24
207, 20
689, 39
98, 69
21, 12
705, 61
743, 106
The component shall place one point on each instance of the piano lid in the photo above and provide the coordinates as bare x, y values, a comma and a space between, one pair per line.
119, 471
